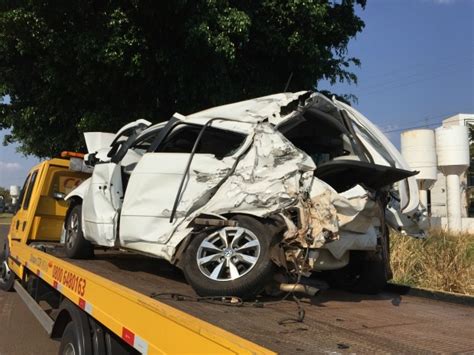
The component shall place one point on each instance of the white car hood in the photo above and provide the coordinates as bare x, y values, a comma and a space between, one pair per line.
96, 141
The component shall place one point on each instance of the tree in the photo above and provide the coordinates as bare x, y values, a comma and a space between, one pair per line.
5, 195
74, 66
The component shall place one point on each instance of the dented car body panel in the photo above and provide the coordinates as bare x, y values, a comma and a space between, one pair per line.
259, 158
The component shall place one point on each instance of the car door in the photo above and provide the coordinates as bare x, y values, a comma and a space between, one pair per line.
404, 212
103, 199
171, 181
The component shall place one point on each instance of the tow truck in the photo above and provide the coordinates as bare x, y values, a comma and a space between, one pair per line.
107, 305
125, 303
89, 307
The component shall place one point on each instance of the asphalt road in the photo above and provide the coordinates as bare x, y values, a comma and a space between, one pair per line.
20, 332
336, 322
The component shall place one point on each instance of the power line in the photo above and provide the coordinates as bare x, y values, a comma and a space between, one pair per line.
412, 127
422, 76
404, 68
381, 89
421, 126
427, 118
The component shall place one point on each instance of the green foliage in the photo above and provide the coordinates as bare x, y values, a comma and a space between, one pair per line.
73, 66
5, 194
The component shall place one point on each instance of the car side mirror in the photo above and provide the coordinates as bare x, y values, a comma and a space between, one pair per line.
59, 195
90, 159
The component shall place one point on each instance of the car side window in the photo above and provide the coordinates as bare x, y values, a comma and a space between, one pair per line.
142, 145
22, 193
29, 190
220, 143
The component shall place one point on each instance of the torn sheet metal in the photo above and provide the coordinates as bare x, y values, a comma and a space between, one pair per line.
269, 177
266, 108
266, 177
147, 209
273, 176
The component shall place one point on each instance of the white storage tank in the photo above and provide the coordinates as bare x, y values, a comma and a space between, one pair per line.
14, 193
419, 150
452, 149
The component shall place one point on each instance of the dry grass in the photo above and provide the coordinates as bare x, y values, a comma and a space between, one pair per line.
442, 262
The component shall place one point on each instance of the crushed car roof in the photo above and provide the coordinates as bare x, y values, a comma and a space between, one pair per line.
244, 115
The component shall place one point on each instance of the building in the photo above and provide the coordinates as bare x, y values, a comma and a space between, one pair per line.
437, 194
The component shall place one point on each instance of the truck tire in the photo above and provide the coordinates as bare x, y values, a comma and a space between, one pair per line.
7, 277
77, 247
230, 261
73, 328
70, 341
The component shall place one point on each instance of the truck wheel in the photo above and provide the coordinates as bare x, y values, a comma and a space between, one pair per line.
230, 261
70, 341
7, 277
76, 246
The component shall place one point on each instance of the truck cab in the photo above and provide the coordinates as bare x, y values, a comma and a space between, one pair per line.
41, 207
40, 210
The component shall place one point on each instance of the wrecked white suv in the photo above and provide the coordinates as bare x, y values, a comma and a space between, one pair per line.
292, 183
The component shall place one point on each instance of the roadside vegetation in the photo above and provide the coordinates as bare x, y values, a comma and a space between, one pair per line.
442, 262
172, 56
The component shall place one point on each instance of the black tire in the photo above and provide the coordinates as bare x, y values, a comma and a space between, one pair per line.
249, 284
365, 274
373, 278
367, 271
70, 341
7, 277
77, 247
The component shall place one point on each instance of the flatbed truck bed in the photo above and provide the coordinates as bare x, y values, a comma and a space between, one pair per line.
334, 321
119, 302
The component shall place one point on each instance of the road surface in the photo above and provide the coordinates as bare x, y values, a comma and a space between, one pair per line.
336, 322
20, 332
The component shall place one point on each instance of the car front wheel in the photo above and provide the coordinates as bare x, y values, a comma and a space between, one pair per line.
230, 261
77, 247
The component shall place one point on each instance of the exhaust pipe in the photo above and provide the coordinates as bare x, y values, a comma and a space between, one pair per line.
299, 288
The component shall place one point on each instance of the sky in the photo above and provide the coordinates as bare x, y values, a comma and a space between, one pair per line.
417, 69
417, 63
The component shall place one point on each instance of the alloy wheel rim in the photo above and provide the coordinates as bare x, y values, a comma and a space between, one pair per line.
72, 230
228, 254
4, 271
69, 349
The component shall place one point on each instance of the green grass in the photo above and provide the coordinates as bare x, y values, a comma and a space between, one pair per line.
5, 218
443, 261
